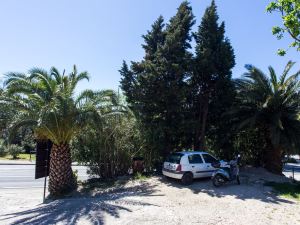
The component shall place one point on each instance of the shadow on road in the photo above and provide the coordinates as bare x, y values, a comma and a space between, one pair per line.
91, 208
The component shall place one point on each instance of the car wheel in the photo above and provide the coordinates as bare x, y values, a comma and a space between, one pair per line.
187, 179
218, 180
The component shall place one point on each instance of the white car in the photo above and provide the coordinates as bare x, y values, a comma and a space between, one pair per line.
189, 165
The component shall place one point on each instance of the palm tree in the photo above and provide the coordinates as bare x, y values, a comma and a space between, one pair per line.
273, 106
46, 102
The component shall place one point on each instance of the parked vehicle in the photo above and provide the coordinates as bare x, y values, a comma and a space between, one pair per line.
226, 173
189, 165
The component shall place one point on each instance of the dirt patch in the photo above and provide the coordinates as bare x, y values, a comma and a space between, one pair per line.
159, 201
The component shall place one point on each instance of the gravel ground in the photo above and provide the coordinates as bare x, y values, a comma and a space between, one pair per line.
158, 201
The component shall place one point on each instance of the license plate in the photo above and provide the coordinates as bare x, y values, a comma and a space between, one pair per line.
169, 167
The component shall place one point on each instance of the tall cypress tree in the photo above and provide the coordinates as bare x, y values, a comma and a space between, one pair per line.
155, 87
138, 80
214, 61
174, 61
140, 84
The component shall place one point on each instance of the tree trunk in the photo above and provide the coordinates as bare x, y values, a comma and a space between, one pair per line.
203, 125
198, 119
167, 149
273, 160
199, 143
196, 144
61, 178
272, 155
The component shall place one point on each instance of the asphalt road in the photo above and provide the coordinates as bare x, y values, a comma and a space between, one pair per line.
22, 176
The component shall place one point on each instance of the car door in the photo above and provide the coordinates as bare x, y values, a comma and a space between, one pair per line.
196, 164
208, 160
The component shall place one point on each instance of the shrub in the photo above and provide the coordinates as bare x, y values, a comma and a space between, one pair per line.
140, 176
14, 150
108, 149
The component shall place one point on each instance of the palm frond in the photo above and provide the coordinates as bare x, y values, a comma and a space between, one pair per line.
287, 69
55, 73
273, 78
270, 103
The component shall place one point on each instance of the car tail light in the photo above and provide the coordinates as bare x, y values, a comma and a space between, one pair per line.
178, 168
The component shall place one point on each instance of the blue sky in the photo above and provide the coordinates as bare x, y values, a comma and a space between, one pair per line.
97, 35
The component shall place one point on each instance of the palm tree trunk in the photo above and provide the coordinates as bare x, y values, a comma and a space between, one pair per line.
272, 155
273, 160
61, 179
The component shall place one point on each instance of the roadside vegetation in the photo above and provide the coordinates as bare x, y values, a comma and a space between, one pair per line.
21, 156
287, 190
177, 97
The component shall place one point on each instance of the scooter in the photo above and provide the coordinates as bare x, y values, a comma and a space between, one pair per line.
227, 173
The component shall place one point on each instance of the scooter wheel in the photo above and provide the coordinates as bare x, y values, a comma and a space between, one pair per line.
218, 180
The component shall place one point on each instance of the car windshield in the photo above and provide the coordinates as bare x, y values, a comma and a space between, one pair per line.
174, 158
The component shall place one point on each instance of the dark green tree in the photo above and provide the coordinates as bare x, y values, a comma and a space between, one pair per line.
213, 63
156, 86
220, 132
140, 82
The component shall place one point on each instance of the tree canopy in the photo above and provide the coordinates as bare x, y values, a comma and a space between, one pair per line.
290, 14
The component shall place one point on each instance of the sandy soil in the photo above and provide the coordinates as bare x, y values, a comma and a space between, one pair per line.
158, 201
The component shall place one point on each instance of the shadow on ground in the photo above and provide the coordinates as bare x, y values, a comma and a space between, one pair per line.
94, 207
249, 189
91, 208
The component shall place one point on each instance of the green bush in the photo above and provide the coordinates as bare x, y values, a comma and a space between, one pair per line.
14, 150
140, 176
108, 149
